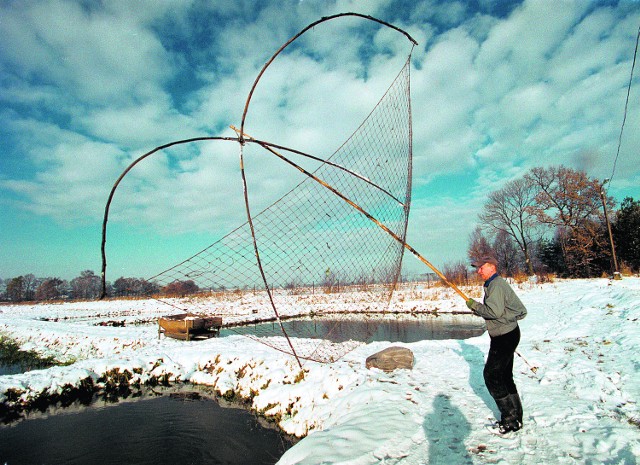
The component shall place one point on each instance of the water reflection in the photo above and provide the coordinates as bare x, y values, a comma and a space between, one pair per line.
8, 365
399, 329
166, 429
12, 369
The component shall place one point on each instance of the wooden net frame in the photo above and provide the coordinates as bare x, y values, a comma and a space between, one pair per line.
336, 238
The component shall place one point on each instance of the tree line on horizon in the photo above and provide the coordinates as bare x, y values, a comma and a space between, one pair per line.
550, 221
87, 286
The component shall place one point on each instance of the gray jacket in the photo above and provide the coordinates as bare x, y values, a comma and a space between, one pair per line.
501, 308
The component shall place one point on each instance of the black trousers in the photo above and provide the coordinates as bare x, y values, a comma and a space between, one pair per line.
498, 371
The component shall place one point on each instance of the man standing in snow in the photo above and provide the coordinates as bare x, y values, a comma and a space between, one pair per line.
501, 309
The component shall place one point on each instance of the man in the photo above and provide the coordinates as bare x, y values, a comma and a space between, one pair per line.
501, 309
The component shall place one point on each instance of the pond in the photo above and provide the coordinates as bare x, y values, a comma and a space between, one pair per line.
168, 428
9, 368
394, 329
14, 361
12, 368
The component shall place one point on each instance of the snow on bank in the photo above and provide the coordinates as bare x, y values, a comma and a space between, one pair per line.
580, 405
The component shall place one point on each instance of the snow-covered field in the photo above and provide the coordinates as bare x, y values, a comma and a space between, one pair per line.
580, 404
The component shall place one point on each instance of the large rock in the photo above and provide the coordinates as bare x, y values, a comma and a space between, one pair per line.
391, 359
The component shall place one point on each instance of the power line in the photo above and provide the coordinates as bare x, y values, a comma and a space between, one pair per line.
626, 105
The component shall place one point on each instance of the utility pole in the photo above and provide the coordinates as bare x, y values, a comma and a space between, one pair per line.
616, 271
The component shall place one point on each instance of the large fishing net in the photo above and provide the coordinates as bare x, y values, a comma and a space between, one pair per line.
329, 250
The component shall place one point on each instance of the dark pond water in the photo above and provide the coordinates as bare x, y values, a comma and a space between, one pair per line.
167, 429
416, 329
13, 362
12, 368
15, 368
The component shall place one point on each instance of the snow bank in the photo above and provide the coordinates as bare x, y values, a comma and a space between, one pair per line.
580, 404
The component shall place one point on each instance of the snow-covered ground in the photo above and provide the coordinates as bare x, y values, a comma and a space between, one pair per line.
580, 404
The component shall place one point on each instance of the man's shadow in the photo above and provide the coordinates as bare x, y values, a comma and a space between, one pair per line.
475, 359
446, 428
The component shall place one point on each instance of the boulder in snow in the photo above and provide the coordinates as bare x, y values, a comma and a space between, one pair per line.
391, 359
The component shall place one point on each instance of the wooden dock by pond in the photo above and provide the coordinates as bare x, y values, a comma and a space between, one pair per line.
189, 326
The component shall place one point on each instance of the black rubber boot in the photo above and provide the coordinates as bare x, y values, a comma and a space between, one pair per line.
509, 421
517, 405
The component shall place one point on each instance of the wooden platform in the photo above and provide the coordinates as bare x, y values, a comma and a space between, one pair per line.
189, 326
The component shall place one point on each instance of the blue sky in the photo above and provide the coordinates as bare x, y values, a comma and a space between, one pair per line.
86, 87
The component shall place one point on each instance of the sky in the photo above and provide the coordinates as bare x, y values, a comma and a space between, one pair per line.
497, 88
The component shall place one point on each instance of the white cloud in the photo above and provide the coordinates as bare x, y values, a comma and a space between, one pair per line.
89, 89
529, 35
151, 123
94, 56
531, 109
69, 184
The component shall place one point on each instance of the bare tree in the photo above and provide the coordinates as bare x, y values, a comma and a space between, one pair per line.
456, 273
587, 249
479, 245
86, 286
180, 288
30, 285
16, 289
506, 253
51, 288
510, 211
570, 201
125, 287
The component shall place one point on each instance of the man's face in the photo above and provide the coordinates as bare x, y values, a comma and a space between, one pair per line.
486, 271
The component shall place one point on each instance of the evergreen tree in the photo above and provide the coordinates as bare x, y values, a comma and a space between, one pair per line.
551, 256
626, 233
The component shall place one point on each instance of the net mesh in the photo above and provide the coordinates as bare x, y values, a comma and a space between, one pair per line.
321, 256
